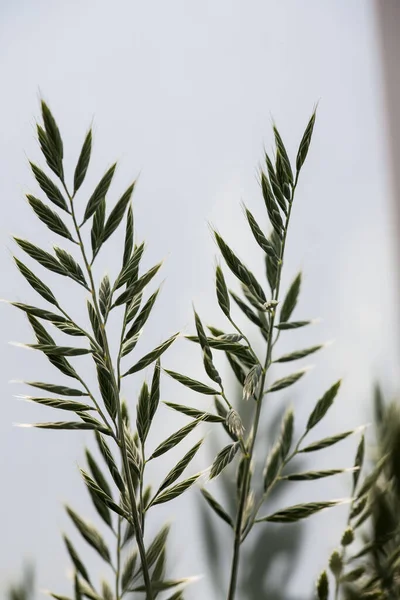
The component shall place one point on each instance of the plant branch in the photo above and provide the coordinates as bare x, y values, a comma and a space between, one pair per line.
253, 433
120, 426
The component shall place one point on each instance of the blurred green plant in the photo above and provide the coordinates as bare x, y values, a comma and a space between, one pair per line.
23, 590
367, 566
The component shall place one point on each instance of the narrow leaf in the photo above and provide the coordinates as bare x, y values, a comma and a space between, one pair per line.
300, 511
90, 534
192, 384
49, 217
83, 162
298, 354
217, 508
174, 439
117, 214
175, 491
49, 188
322, 406
223, 458
99, 192
146, 360
290, 300
285, 382
177, 471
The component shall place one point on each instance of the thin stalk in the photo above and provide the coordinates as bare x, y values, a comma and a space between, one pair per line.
120, 434
118, 570
253, 433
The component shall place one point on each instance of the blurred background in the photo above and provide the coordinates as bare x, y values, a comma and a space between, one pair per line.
183, 93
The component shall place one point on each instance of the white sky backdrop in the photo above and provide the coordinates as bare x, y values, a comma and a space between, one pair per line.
183, 92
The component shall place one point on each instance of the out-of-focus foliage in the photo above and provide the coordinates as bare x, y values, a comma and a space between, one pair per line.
381, 542
24, 590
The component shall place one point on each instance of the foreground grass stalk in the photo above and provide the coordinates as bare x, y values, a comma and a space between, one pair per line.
136, 519
253, 433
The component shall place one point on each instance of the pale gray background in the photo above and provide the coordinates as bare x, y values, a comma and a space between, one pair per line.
184, 92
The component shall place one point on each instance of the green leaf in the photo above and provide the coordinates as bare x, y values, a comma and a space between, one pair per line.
117, 214
271, 205
105, 296
83, 162
285, 382
128, 571
207, 354
137, 286
322, 406
271, 266
298, 354
300, 511
54, 350
44, 258
90, 534
66, 425
273, 466
217, 508
143, 415
142, 317
280, 198
239, 269
195, 413
286, 432
155, 391
36, 283
174, 439
40, 312
222, 291
358, 463
53, 134
110, 462
292, 325
192, 384
99, 193
97, 326
260, 238
49, 188
129, 234
133, 307
146, 360
179, 467
175, 491
290, 300
71, 267
313, 475
97, 474
223, 458
78, 564
283, 157
353, 575
58, 403
326, 442
43, 337
56, 389
305, 143
107, 390
250, 314
130, 269
49, 217
157, 546
97, 492
98, 227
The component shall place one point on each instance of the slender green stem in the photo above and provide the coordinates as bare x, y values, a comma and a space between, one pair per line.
253, 433
120, 434
118, 571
